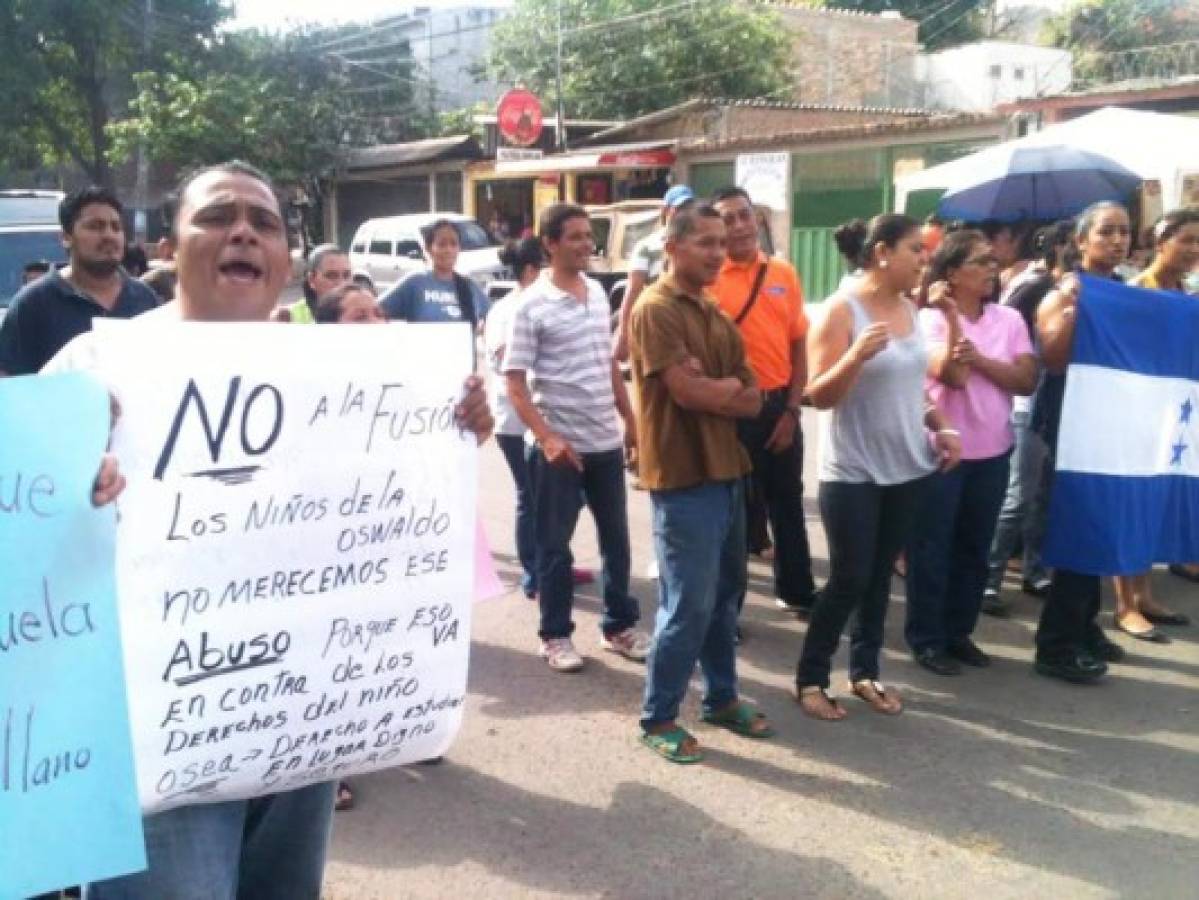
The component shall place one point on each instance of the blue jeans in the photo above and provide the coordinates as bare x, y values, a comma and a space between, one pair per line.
947, 557
272, 848
559, 493
1025, 508
699, 538
513, 447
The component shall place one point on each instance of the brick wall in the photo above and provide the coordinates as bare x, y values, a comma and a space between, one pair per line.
852, 59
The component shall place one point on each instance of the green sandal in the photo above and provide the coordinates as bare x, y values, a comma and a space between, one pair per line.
669, 744
740, 719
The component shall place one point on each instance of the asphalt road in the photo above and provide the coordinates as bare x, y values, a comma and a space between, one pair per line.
994, 784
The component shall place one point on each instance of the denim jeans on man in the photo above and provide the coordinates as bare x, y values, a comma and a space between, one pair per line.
272, 848
559, 494
867, 525
778, 488
1025, 507
514, 450
699, 540
947, 556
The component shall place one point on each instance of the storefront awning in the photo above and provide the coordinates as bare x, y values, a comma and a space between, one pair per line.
652, 155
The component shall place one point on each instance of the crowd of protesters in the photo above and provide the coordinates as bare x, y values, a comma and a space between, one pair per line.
937, 369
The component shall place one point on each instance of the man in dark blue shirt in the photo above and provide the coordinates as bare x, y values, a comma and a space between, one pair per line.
48, 313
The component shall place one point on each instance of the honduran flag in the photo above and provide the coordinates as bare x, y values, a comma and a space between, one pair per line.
1126, 491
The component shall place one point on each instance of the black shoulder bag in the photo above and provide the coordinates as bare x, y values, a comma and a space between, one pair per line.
753, 295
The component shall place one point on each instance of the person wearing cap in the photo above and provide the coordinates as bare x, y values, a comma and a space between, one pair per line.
762, 295
648, 262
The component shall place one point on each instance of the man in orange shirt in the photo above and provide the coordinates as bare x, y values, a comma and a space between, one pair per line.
763, 297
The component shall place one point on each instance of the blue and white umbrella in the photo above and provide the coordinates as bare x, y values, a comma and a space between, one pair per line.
1012, 182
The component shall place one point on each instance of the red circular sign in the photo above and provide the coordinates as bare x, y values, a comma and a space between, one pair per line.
518, 117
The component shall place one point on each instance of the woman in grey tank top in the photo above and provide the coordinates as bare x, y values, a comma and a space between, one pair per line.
867, 361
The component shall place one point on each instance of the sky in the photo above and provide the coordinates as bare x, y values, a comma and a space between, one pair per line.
266, 13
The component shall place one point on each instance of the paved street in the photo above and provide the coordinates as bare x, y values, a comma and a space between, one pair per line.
995, 784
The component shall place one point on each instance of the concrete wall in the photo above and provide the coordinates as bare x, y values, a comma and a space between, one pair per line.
852, 59
979, 76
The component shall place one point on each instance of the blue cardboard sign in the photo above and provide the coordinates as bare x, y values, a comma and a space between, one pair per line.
68, 803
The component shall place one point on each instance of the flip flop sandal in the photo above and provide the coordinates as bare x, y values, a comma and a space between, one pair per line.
669, 745
861, 690
1184, 572
1168, 617
740, 719
831, 701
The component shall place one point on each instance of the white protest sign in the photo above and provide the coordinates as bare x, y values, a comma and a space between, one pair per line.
295, 550
765, 176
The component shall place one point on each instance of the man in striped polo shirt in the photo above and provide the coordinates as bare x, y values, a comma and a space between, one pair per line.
559, 336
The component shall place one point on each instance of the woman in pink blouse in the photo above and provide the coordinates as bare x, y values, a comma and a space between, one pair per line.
979, 357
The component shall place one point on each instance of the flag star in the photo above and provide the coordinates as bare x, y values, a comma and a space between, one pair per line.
1187, 409
1176, 459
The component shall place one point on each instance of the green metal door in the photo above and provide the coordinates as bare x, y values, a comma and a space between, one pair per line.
814, 253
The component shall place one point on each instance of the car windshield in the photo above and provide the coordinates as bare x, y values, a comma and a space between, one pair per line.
20, 247
471, 235
634, 232
18, 209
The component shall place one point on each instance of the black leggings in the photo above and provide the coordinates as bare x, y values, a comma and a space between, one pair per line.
866, 526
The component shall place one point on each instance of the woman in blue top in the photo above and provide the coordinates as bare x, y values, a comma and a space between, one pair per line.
441, 294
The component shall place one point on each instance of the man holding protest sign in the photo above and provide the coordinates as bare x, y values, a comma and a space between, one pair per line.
232, 265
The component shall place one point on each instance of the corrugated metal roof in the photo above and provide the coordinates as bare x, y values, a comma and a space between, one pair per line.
698, 103
459, 146
843, 132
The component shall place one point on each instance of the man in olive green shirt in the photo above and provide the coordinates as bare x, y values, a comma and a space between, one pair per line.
690, 370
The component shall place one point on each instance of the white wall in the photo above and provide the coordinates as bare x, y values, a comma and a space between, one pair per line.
977, 77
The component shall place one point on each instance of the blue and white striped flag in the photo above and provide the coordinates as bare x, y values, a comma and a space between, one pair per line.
1126, 492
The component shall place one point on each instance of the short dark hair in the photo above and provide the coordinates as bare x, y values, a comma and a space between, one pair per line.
230, 167
686, 219
1173, 222
72, 205
951, 254
731, 191
429, 232
519, 255
328, 307
857, 239
1050, 239
38, 266
992, 227
313, 262
555, 217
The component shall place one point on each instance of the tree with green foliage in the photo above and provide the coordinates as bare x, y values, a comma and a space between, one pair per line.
274, 100
623, 58
943, 23
66, 65
1112, 39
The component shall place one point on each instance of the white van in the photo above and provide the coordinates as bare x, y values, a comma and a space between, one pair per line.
385, 250
29, 232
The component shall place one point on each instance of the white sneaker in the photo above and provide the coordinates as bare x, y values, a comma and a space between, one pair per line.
561, 655
630, 643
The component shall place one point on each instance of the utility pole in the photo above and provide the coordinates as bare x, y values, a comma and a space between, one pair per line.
561, 115
141, 189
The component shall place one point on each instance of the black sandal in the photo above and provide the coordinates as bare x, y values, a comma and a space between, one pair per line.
1183, 572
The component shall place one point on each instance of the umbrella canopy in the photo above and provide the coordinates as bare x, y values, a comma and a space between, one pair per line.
1013, 182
